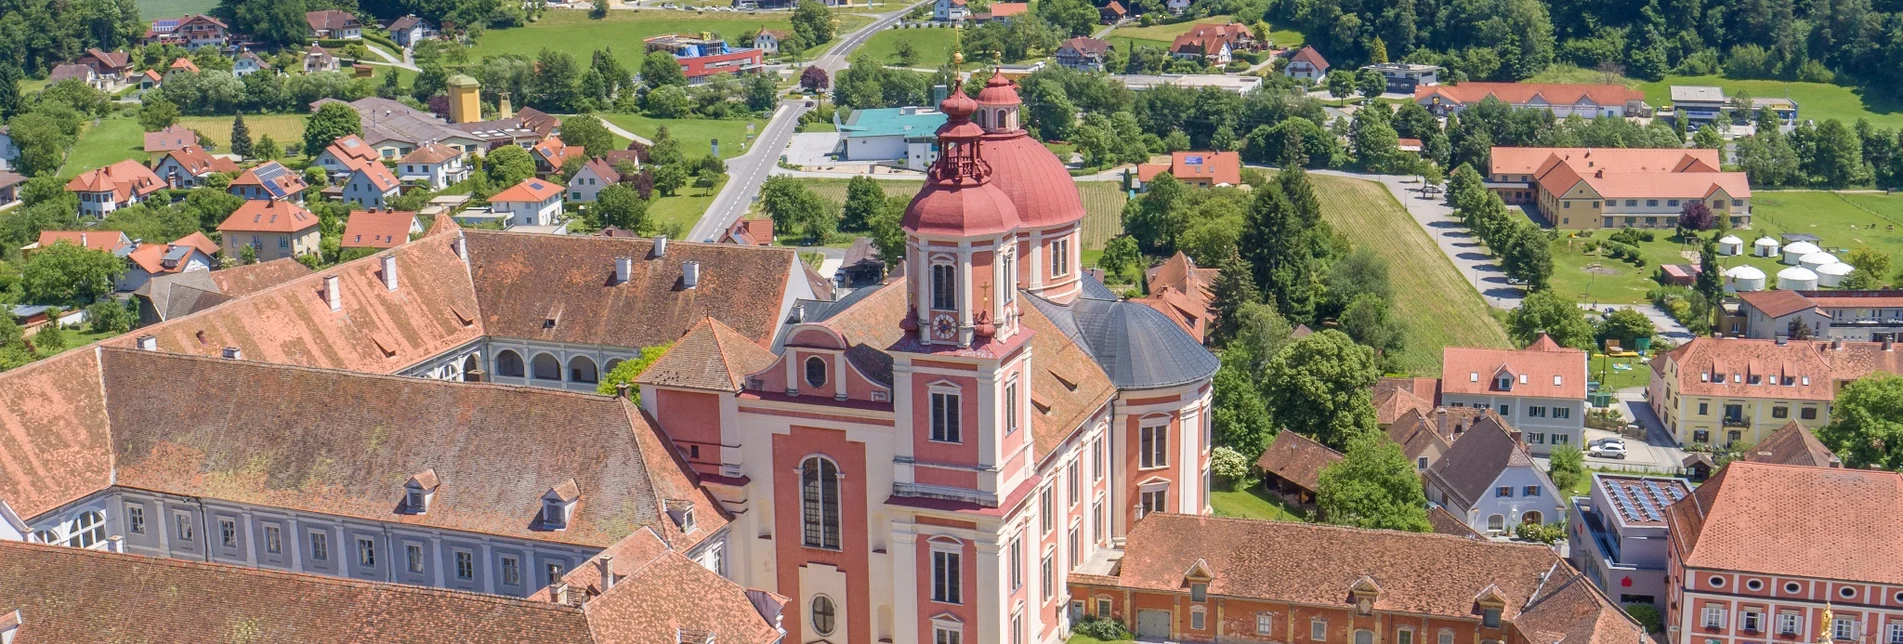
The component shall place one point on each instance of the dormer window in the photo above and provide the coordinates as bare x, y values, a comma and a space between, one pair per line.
558, 505
417, 501
554, 514
419, 490
1503, 383
682, 512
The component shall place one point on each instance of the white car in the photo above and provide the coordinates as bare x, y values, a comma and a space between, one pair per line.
1614, 450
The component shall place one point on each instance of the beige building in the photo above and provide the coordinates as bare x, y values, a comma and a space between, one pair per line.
1583, 188
1725, 390
272, 229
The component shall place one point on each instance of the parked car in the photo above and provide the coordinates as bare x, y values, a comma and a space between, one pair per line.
1608, 450
1609, 439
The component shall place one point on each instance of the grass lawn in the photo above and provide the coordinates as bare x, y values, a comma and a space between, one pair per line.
694, 134
149, 9
1103, 204
1441, 309
1252, 503
285, 129
1167, 33
1639, 375
1817, 101
933, 45
1127, 43
622, 31
113, 140
684, 208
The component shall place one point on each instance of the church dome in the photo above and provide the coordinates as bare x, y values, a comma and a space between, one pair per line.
961, 209
1036, 181
999, 91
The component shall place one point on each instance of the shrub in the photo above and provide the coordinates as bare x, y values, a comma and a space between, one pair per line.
1231, 466
1108, 630
1647, 616
1539, 532
1633, 236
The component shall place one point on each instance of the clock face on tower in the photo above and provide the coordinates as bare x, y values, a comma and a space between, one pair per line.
943, 327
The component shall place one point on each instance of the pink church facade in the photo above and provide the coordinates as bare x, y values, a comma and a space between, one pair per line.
925, 461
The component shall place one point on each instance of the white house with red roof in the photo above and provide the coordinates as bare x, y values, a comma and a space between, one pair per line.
594, 175
269, 180
188, 167
343, 156
551, 153
370, 185
144, 261
534, 202
103, 190
433, 165
1196, 168
1306, 63
1489, 480
104, 241
1541, 390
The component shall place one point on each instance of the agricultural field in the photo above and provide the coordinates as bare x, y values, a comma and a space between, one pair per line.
1103, 204
151, 9
695, 135
1440, 307
286, 129
622, 31
933, 45
114, 139
1817, 101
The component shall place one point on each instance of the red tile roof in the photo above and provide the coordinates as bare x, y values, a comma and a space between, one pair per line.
1297, 459
1778, 303
1793, 444
1310, 56
239, 281
288, 182
1533, 161
1557, 94
184, 64
198, 162
1543, 370
172, 137
53, 430
1797, 370
431, 153
529, 191
351, 151
556, 152
100, 240
378, 229
151, 257
1797, 521
711, 355
267, 216
124, 180
378, 174
1216, 168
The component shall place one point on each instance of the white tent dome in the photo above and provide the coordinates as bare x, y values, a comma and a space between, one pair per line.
1834, 274
1817, 260
1744, 278
1765, 247
1796, 278
1730, 245
1796, 250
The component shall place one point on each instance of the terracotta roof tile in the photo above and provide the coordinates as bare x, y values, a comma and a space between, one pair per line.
239, 281
351, 150
1793, 444
1797, 370
1297, 459
124, 180
530, 190
1558, 94
1068, 388
54, 445
171, 138
378, 229
1777, 303
1445, 522
269, 216
431, 153
1571, 610
1476, 460
283, 180
1534, 371
198, 162
99, 240
710, 356
1744, 518
1310, 56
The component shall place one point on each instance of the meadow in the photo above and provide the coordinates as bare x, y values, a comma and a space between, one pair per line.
1815, 101
696, 135
150, 9
934, 46
622, 31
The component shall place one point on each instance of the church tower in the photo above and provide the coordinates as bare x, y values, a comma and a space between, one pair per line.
1051, 213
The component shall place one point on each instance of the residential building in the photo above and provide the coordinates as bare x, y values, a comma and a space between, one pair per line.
534, 202
1584, 188
247, 63
379, 229
272, 229
751, 232
1488, 478
105, 241
395, 130
433, 166
77, 72
192, 31
1208, 579
1213, 43
144, 261
113, 67
1793, 444
1180, 290
551, 154
317, 59
370, 185
1406, 78
409, 30
1718, 391
1867, 316
1292, 466
149, 80
10, 183
1177, 7
1786, 553
182, 65
103, 190
334, 24
188, 167
1306, 63
269, 180
950, 10
594, 175
1562, 99
173, 137
1084, 54
1617, 538
180, 294
1196, 168
768, 40
1426, 434
345, 155
1112, 13
905, 136
1541, 390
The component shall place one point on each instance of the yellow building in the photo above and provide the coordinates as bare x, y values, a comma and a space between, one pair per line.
1583, 188
465, 99
1718, 391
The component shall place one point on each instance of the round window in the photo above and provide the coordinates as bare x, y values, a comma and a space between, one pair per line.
816, 371
1847, 592
1791, 587
823, 615
1754, 584
1717, 582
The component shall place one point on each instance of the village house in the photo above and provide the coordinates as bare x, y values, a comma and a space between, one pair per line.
110, 188
433, 166
334, 24
1180, 291
551, 154
1541, 390
1563, 100
409, 30
594, 175
1406, 78
105, 241
343, 156
1292, 466
1793, 444
76, 72
188, 167
269, 180
1488, 478
1424, 434
1084, 54
10, 183
144, 261
247, 63
1718, 391
271, 228
534, 202
768, 40
182, 65
173, 137
1112, 13
1196, 168
175, 295
1308, 64
192, 32
317, 59
9, 153
950, 10
370, 185
379, 229
112, 67
1585, 188
1211, 43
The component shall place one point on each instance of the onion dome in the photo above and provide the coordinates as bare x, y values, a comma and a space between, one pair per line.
959, 198
999, 91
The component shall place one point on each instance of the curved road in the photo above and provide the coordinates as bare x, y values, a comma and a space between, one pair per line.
748, 171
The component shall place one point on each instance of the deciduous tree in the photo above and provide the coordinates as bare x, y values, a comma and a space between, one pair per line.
1866, 425
1321, 386
329, 123
1551, 314
1372, 486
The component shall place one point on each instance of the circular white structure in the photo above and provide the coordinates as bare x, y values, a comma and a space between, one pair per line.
1764, 247
1796, 278
1730, 245
1797, 250
1834, 274
1816, 260
1744, 278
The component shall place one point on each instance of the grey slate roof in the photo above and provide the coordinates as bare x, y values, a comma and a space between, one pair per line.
1094, 288
1476, 460
181, 294
1135, 344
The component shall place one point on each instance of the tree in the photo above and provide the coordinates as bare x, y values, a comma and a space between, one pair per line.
628, 370
1866, 425
1695, 216
1627, 326
1321, 386
1239, 419
273, 22
553, 86
618, 205
266, 148
1377, 148
1340, 85
508, 165
1234, 287
1370, 84
50, 340
660, 68
107, 316
906, 53
1377, 51
599, 11
1710, 282
1708, 138
1527, 256
812, 23
1069, 17
669, 102
669, 178
1120, 256
240, 137
864, 200
157, 114
1567, 467
1285, 240
329, 123
586, 131
66, 273
888, 235
794, 207
761, 92
1369, 321
10, 77
1372, 486
1873, 267
1544, 312
814, 79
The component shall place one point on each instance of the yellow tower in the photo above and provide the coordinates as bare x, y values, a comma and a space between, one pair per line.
465, 99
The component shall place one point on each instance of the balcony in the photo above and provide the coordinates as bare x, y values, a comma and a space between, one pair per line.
1736, 421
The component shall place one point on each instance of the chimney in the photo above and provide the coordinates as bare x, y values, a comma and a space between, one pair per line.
234, 353
503, 108
799, 314
389, 272
660, 245
621, 389
1836, 345
331, 294
561, 593
606, 564
690, 274
624, 266
462, 248
1889, 344
148, 343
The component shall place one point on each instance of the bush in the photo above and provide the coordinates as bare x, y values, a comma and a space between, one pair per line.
1547, 534
1647, 616
1633, 236
1108, 630
109, 316
1232, 467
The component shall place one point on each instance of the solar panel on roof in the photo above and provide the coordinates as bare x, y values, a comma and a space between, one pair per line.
176, 253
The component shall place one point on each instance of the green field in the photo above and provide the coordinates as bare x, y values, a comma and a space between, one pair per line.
695, 134
286, 129
1816, 101
934, 46
1638, 375
113, 140
622, 31
1103, 204
1252, 504
150, 9
1439, 306
685, 207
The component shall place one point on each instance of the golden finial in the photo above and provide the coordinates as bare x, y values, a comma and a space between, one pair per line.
997, 57
958, 58
1824, 626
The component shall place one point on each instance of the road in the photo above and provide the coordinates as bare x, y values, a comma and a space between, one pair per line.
747, 172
